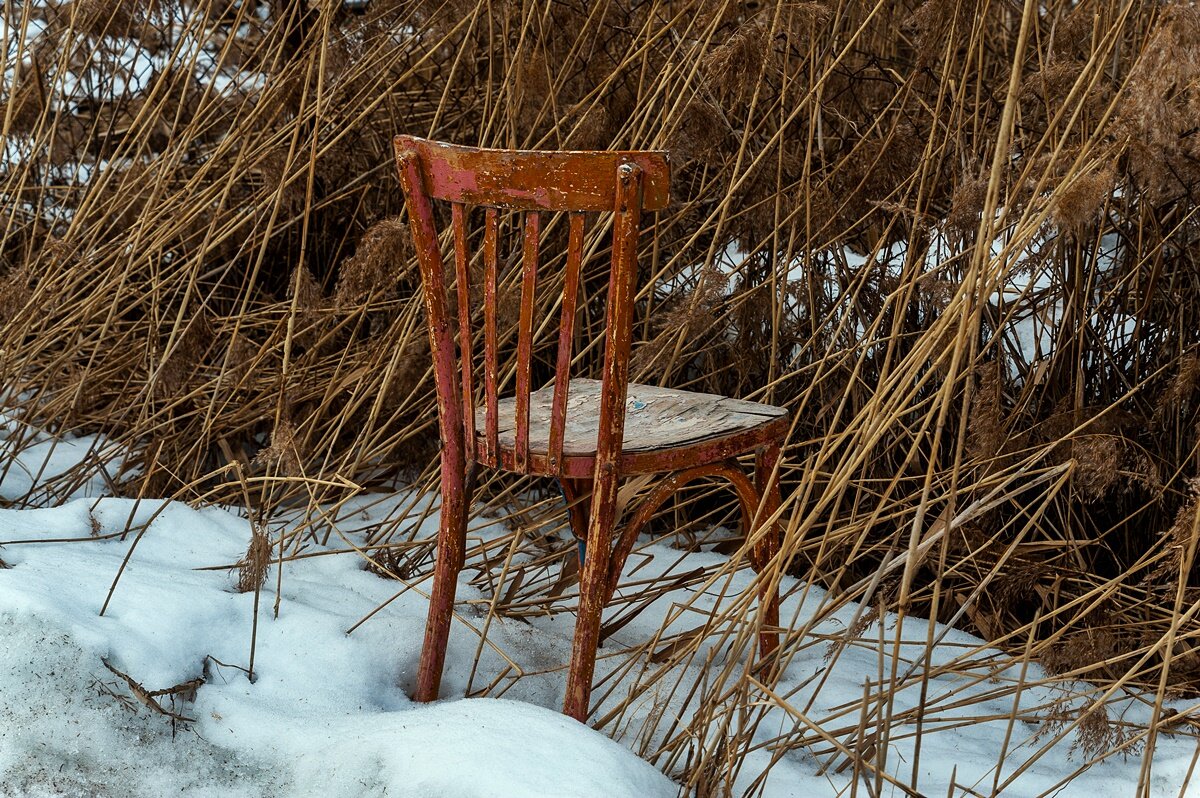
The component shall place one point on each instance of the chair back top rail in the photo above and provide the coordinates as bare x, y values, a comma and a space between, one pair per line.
523, 180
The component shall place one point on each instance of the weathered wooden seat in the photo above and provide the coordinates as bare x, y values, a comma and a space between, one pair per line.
663, 427
588, 434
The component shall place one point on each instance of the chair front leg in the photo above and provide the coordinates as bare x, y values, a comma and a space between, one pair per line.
767, 482
593, 595
451, 551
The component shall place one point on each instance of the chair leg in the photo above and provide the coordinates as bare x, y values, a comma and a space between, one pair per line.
577, 492
593, 595
451, 550
765, 461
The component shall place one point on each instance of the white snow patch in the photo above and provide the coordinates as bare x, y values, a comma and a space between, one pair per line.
326, 715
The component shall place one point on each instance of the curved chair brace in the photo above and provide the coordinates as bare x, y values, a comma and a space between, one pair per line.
749, 499
747, 495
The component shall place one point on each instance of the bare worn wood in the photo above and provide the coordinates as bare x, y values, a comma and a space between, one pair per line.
654, 461
490, 234
534, 180
655, 418
463, 288
525, 340
566, 335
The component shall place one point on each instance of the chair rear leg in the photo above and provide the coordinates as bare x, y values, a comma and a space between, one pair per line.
577, 492
767, 482
451, 550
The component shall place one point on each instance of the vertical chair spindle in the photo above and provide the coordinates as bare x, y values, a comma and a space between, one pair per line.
566, 335
529, 267
492, 430
466, 358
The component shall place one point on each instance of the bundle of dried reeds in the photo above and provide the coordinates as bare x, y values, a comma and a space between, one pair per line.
960, 240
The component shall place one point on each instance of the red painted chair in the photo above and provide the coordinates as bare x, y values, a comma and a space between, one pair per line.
588, 434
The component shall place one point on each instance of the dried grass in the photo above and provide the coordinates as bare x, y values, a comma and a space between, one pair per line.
217, 272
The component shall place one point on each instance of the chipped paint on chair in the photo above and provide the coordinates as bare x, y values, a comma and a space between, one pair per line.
588, 434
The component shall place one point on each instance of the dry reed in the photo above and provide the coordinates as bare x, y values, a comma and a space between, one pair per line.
967, 245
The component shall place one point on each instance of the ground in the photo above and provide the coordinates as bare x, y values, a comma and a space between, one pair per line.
327, 712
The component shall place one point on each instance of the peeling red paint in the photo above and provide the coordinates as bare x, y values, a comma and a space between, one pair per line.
624, 183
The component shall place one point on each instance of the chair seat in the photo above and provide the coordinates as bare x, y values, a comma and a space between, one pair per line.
664, 428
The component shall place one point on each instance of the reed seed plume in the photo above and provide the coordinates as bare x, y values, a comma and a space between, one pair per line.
253, 568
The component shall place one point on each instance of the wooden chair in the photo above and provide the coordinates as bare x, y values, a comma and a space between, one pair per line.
588, 434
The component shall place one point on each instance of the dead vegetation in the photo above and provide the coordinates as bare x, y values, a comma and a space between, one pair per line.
967, 249
184, 691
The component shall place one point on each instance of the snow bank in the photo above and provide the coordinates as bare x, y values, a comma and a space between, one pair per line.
327, 713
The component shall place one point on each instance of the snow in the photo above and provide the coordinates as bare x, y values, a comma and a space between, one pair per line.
45, 458
328, 712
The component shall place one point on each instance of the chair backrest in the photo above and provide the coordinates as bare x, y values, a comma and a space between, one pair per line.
532, 183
